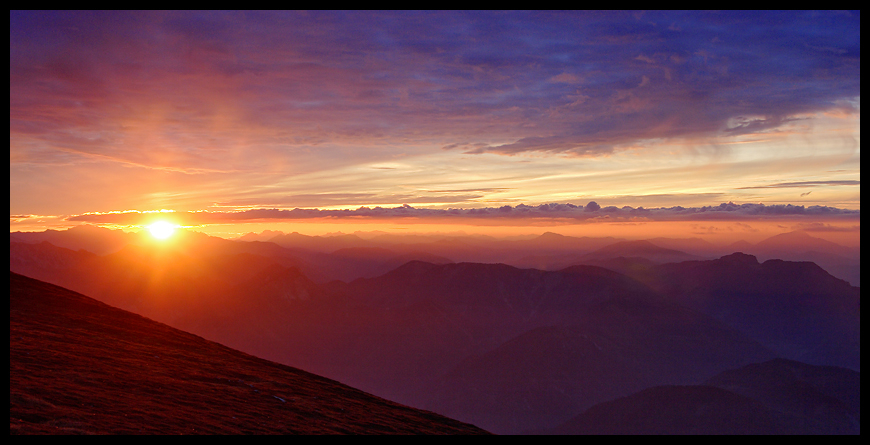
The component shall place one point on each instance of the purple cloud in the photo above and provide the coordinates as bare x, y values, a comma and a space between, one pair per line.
202, 85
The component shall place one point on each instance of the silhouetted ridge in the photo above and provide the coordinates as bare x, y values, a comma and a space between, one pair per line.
637, 246
739, 258
602, 273
810, 275
802, 240
412, 269
605, 335
667, 410
500, 288
550, 237
800, 389
774, 397
795, 308
635, 249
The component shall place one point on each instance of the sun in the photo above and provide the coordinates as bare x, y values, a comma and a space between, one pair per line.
162, 229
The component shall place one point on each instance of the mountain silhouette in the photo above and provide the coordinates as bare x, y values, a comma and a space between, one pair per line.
636, 250
795, 308
841, 261
774, 397
85, 237
324, 244
350, 263
694, 246
828, 396
785, 242
693, 410
509, 349
518, 348
543, 375
80, 366
640, 248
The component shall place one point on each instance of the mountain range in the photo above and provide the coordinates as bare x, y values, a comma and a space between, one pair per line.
508, 349
549, 251
795, 308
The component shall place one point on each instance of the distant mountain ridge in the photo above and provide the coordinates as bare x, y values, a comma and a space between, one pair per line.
840, 261
549, 251
505, 321
94, 239
795, 308
774, 397
786, 241
640, 248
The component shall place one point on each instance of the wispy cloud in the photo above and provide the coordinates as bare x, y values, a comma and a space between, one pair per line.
805, 184
823, 227
346, 199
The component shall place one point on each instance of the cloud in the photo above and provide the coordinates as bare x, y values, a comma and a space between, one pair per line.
823, 227
344, 199
551, 144
564, 78
740, 125
805, 184
188, 90
644, 58
592, 212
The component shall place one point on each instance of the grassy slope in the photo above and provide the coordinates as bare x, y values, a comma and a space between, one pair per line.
80, 366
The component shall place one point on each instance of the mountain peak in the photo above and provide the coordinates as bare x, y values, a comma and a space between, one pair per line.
740, 258
797, 238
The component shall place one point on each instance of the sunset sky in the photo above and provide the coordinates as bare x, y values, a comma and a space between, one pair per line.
242, 121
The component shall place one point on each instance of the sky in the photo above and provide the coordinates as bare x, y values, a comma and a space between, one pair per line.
331, 121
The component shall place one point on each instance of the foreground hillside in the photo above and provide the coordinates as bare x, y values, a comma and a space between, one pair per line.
80, 366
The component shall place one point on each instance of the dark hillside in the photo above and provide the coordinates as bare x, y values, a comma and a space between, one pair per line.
80, 366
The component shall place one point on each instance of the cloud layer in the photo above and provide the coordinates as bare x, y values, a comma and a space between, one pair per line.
591, 212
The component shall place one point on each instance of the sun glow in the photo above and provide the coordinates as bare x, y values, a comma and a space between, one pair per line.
162, 229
